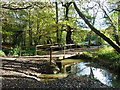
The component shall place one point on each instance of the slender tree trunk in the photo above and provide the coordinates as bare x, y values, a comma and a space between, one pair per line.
0, 40
58, 40
89, 41
119, 27
24, 38
119, 21
0, 27
30, 29
95, 30
36, 40
15, 38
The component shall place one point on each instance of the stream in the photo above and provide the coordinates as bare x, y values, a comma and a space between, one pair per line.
79, 67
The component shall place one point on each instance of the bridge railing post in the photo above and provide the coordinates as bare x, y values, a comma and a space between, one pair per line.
36, 50
50, 55
70, 46
76, 49
64, 51
20, 51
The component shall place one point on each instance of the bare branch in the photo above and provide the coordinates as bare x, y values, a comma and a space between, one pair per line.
63, 4
117, 10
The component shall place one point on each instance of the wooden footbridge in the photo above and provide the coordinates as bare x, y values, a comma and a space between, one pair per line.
58, 51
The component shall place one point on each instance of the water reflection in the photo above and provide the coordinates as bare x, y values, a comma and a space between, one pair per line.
80, 68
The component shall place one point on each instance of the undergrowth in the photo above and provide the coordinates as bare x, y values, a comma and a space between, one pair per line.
108, 53
2, 54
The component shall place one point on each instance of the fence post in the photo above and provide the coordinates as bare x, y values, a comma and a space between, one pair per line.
70, 46
76, 48
20, 51
50, 55
36, 51
64, 51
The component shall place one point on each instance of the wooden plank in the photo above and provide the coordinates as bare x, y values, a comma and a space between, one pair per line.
52, 76
39, 45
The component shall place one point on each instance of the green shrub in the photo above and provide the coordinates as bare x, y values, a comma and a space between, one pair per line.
43, 53
29, 51
118, 65
95, 58
81, 46
14, 51
6, 51
108, 53
2, 54
86, 55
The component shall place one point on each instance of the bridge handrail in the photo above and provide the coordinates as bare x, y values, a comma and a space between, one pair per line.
20, 51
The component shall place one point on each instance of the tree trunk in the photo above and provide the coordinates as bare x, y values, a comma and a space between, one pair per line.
36, 39
69, 32
30, 30
89, 41
0, 26
68, 36
96, 31
119, 21
0, 40
24, 36
58, 40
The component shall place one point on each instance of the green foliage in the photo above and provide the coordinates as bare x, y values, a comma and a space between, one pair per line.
79, 35
14, 51
43, 53
63, 41
86, 55
118, 65
2, 54
82, 46
27, 48
108, 53
6, 51
28, 51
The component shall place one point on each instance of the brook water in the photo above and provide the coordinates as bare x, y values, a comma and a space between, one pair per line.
81, 68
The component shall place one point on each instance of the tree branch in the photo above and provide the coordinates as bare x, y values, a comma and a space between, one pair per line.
117, 10
95, 30
115, 30
63, 4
